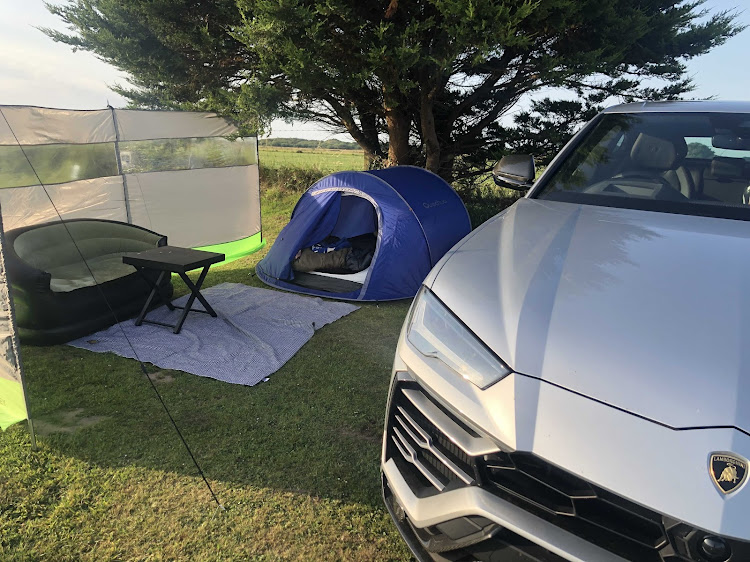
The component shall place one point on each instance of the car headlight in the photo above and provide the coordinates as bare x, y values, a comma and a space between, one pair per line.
436, 332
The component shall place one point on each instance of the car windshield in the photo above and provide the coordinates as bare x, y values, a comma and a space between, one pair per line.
691, 163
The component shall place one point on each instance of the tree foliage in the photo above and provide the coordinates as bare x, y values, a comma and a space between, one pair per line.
700, 150
427, 82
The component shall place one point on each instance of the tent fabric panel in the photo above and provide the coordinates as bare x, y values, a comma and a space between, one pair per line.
134, 125
357, 217
400, 270
362, 184
98, 198
289, 286
401, 261
39, 125
438, 207
197, 207
312, 220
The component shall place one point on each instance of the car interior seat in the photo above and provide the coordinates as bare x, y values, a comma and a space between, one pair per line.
664, 157
726, 180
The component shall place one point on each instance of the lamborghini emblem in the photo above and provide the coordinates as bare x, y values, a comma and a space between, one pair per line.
727, 471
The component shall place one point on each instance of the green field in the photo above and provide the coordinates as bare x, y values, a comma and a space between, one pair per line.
328, 160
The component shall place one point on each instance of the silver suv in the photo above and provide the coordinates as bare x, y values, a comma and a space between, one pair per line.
573, 379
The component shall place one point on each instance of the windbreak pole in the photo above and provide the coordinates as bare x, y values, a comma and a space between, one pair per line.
119, 166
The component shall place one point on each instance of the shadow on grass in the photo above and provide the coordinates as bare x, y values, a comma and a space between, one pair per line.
314, 427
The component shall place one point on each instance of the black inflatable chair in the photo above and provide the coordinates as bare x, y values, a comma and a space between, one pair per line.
55, 296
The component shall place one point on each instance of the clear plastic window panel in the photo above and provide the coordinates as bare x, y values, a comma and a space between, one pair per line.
186, 154
55, 163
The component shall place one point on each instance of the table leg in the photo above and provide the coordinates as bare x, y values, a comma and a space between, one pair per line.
156, 287
154, 290
194, 293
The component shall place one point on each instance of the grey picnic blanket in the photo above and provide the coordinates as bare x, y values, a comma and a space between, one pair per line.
256, 332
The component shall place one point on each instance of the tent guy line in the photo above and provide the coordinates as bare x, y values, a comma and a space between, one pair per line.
114, 315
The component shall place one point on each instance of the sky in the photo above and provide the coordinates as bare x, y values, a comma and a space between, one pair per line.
34, 70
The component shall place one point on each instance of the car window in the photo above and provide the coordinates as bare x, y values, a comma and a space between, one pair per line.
693, 163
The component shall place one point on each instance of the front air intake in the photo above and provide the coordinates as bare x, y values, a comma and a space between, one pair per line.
413, 438
433, 463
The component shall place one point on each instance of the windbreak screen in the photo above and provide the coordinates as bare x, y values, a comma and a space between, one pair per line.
197, 207
144, 125
186, 154
41, 125
181, 174
55, 163
99, 198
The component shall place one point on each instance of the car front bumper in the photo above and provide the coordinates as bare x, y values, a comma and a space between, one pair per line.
480, 526
446, 442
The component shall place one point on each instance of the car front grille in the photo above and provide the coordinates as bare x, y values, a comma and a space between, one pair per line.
438, 461
612, 522
435, 464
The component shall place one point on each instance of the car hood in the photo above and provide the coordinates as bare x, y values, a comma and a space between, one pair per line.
645, 311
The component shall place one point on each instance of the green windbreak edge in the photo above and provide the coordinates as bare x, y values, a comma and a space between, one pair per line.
12, 404
238, 248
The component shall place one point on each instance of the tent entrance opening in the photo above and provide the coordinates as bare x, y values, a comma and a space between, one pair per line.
340, 261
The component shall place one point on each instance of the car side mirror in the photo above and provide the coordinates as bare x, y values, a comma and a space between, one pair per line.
515, 171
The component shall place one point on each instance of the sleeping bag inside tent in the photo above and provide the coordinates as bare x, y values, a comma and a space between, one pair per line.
371, 235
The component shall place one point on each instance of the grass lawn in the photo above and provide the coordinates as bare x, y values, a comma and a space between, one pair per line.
294, 460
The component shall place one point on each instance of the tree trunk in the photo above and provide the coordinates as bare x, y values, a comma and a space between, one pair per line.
369, 125
370, 148
370, 160
399, 126
429, 133
446, 167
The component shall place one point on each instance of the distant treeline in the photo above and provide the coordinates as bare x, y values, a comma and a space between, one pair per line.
305, 143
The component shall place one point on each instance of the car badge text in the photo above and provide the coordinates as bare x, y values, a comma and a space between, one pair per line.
727, 471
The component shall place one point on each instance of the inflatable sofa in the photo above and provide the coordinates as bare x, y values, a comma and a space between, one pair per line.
55, 297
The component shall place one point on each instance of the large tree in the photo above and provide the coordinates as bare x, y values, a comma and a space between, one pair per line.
425, 82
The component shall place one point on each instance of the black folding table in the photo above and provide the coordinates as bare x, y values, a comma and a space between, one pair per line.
167, 260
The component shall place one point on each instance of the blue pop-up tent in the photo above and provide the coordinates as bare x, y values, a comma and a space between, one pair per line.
414, 214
